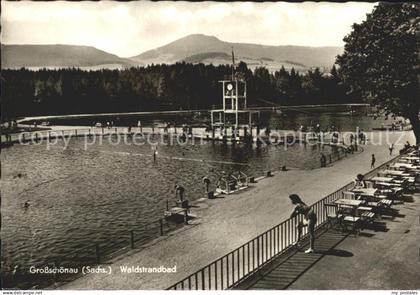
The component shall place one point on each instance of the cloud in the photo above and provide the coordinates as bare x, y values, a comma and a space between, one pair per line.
130, 28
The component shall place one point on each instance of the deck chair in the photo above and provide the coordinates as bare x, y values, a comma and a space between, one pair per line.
353, 223
349, 195
349, 220
366, 215
385, 203
333, 217
369, 183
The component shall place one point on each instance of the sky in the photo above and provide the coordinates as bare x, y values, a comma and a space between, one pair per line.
130, 28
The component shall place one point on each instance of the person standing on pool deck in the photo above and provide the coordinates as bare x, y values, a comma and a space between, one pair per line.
309, 220
179, 190
391, 148
206, 182
372, 163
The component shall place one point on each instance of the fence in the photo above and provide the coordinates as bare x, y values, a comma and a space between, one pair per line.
341, 152
236, 266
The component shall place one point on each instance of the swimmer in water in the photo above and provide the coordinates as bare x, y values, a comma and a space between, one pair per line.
16, 269
19, 175
26, 205
154, 155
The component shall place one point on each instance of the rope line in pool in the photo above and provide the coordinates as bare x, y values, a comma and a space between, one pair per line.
169, 157
178, 158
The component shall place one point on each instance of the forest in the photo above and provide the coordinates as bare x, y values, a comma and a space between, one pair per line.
180, 86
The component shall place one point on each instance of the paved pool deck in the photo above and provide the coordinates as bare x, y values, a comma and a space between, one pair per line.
384, 256
226, 223
384, 260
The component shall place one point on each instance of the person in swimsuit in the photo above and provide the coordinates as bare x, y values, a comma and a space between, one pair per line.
206, 182
372, 163
360, 182
309, 220
179, 191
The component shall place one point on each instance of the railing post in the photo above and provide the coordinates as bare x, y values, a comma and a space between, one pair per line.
258, 252
132, 239
233, 267
221, 274
75, 132
185, 216
97, 253
55, 273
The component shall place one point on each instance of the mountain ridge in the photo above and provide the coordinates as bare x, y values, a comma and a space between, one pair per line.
194, 48
192, 45
57, 55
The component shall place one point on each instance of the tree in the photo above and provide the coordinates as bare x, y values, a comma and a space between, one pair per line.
282, 83
380, 60
312, 85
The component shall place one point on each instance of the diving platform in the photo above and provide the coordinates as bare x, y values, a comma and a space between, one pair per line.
234, 115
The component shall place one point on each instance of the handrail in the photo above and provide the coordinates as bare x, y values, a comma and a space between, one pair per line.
251, 256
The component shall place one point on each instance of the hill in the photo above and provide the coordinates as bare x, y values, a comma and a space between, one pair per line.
197, 48
209, 49
59, 56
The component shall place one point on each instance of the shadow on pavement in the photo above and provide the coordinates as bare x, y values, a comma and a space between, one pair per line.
376, 227
336, 252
